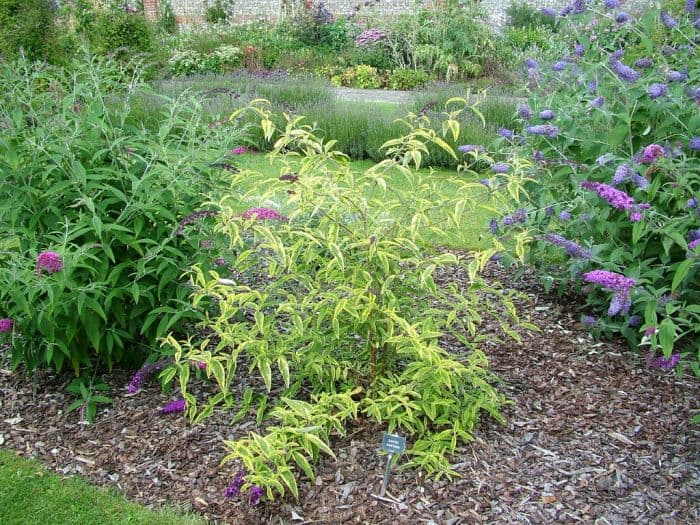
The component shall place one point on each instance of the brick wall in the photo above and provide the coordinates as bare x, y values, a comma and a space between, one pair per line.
150, 8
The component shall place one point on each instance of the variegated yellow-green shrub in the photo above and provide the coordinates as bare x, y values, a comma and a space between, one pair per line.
332, 310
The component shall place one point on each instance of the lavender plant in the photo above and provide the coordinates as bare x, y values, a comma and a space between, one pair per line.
612, 207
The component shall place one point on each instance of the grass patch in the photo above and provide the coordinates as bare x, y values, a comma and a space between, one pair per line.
446, 182
33, 495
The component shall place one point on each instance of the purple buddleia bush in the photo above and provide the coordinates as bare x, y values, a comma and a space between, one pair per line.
624, 155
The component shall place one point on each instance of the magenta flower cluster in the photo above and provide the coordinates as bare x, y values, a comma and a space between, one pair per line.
652, 153
370, 36
616, 198
614, 282
263, 214
49, 262
6, 325
662, 362
234, 489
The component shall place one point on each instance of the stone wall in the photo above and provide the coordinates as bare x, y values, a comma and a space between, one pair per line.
189, 12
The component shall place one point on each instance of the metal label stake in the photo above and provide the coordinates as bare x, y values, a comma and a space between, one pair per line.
393, 445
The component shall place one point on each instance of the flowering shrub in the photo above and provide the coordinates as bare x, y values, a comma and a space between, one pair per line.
334, 306
612, 202
94, 224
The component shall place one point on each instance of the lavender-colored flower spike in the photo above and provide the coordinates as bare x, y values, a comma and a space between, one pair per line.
548, 11
620, 304
524, 112
144, 373
543, 129
255, 495
623, 71
622, 173
612, 4
612, 281
616, 198
622, 17
559, 66
500, 167
234, 489
175, 406
657, 90
644, 63
589, 320
598, 102
572, 248
547, 114
506, 133
668, 20
694, 143
652, 153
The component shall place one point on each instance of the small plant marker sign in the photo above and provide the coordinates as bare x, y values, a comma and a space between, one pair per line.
393, 445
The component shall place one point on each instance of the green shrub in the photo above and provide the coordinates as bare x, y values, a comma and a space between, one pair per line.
523, 38
166, 18
361, 76
27, 27
521, 15
216, 13
118, 29
338, 312
104, 197
407, 79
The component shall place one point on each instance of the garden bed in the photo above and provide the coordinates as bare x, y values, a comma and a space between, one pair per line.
593, 433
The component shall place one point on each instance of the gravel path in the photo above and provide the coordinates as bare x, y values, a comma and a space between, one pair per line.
593, 436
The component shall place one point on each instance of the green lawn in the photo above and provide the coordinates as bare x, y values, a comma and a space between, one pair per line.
29, 494
474, 224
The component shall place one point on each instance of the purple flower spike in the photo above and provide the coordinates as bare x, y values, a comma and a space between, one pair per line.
623, 71
634, 321
48, 261
506, 133
644, 63
694, 244
622, 17
543, 130
616, 198
240, 150
572, 248
524, 112
620, 304
662, 362
598, 102
531, 64
260, 214
255, 495
559, 66
612, 4
667, 20
500, 167
547, 114
694, 143
615, 282
173, 407
234, 489
657, 90
548, 11
589, 320
6, 325
144, 373
565, 215
470, 148
652, 153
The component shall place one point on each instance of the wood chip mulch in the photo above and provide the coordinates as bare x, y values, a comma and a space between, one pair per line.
593, 436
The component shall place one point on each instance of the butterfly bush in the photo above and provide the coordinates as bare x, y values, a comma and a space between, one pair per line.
624, 155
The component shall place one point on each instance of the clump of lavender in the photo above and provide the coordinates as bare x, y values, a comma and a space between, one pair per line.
548, 11
565, 215
616, 198
193, 218
173, 407
694, 143
493, 226
531, 63
263, 214
50, 262
657, 90
612, 4
234, 489
519, 216
370, 36
559, 66
547, 130
144, 373
690, 6
652, 153
571, 247
6, 325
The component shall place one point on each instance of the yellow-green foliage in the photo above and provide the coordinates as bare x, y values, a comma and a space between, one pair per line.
338, 308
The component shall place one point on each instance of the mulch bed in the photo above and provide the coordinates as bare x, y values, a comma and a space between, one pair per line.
592, 436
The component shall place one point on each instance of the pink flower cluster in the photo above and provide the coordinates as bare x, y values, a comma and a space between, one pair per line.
263, 214
6, 325
48, 261
652, 153
240, 150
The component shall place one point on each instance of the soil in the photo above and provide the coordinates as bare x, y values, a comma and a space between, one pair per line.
592, 436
